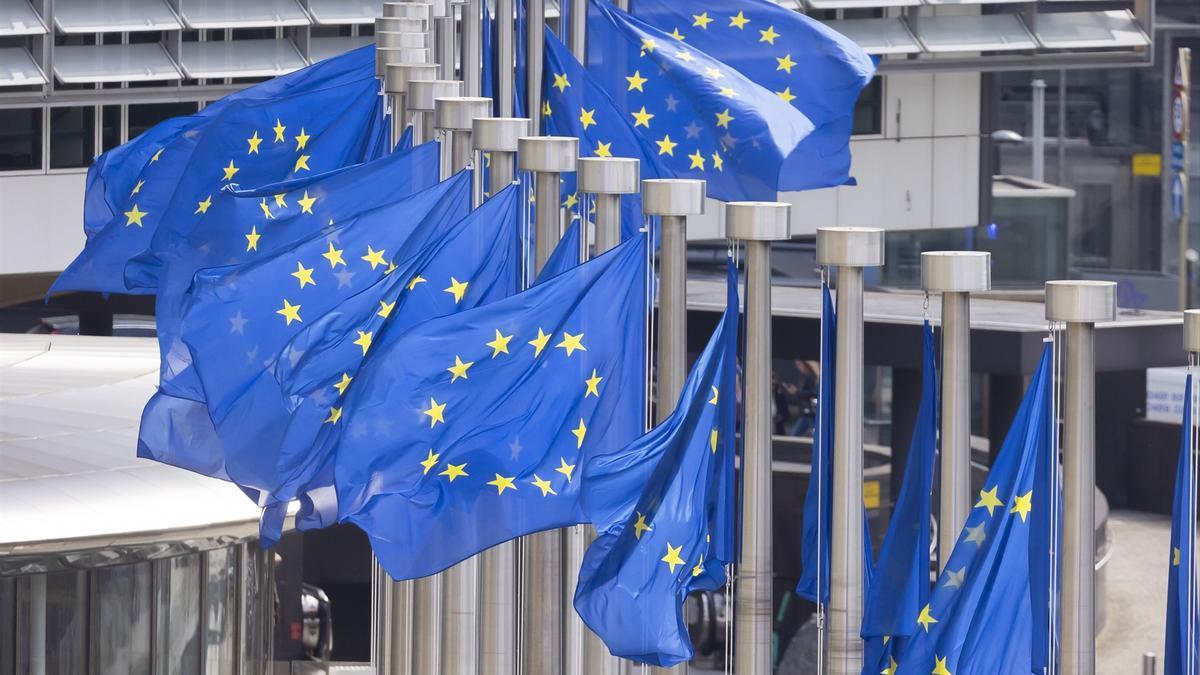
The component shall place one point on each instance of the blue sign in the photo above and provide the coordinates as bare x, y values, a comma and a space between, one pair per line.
1176, 156
1177, 190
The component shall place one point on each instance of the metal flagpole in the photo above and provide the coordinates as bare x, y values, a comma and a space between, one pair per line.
534, 50
757, 224
420, 97
850, 250
1080, 304
395, 84
443, 38
955, 274
577, 38
1191, 344
505, 60
455, 116
498, 136
472, 47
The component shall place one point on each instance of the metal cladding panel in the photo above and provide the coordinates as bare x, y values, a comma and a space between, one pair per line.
973, 33
18, 69
18, 18
88, 64
113, 16
243, 14
878, 36
1090, 30
860, 4
342, 12
240, 58
321, 48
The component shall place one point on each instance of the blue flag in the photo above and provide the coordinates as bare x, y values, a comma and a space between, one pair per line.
466, 431
1182, 651
978, 618
806, 63
663, 510
316, 124
900, 587
565, 255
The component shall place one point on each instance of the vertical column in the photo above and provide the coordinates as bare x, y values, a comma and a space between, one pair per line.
1080, 304
420, 99
443, 37
505, 57
850, 250
472, 47
757, 224
578, 32
535, 46
395, 84
548, 157
607, 178
1038, 171
498, 136
955, 274
456, 115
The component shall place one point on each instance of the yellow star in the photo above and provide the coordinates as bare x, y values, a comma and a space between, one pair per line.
435, 412
546, 111
539, 343
301, 163
724, 118
739, 21
279, 128
429, 462
718, 162
727, 92
603, 149
1175, 553
988, 498
648, 45
230, 170
636, 81
306, 203
341, 386
335, 414
768, 35
134, 216
786, 95
252, 239
891, 669
279, 202
677, 35
374, 257
712, 440
640, 526
502, 483
137, 188
385, 308
939, 667
561, 82
587, 117
571, 343
458, 289
453, 471
459, 369
500, 344
414, 281
786, 63
302, 140
364, 341
265, 209
701, 20
304, 274
699, 568
716, 393
1022, 505
254, 142
592, 383
685, 55
290, 312
666, 146
157, 155
565, 469
571, 200
672, 557
579, 432
697, 160
714, 73
925, 620
642, 118
334, 256
543, 485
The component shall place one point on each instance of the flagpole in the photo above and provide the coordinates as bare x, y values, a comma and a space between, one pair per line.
421, 97
578, 32
534, 51
443, 38
1191, 344
1080, 304
472, 47
757, 224
395, 83
505, 61
455, 116
849, 250
955, 274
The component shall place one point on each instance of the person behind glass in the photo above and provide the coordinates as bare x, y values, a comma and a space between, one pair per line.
781, 393
807, 396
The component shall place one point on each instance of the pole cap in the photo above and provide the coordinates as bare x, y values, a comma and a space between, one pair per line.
456, 112
398, 40
390, 24
673, 196
1191, 330
498, 134
551, 154
423, 93
956, 271
758, 221
850, 246
388, 55
406, 10
397, 75
608, 175
1081, 301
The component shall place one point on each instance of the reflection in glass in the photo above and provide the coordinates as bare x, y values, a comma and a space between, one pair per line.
121, 620
178, 616
220, 610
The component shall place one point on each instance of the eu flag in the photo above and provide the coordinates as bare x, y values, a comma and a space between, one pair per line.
806, 63
317, 124
979, 618
1183, 619
663, 510
565, 255
467, 430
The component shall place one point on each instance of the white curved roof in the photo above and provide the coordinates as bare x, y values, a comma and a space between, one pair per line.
70, 478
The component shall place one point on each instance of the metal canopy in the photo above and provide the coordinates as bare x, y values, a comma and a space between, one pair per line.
113, 16
1089, 30
860, 4
321, 48
88, 64
878, 36
18, 18
974, 33
17, 68
342, 12
240, 58
243, 14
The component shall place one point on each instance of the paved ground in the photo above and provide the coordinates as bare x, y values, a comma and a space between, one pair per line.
1137, 593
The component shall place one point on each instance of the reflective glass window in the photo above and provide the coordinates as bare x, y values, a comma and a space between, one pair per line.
72, 137
20, 139
177, 608
220, 610
121, 620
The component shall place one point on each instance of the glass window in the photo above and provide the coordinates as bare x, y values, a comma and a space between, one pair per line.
868, 109
258, 601
177, 606
122, 620
72, 137
20, 139
220, 610
142, 117
110, 127
8, 625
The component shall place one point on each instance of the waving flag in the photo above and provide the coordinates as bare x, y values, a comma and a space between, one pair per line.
1183, 617
466, 431
662, 507
565, 255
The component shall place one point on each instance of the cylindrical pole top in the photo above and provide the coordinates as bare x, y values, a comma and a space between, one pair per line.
406, 10
850, 246
557, 154
385, 55
398, 75
1081, 301
386, 24
405, 40
1191, 330
758, 221
498, 134
673, 196
456, 112
608, 175
423, 93
956, 271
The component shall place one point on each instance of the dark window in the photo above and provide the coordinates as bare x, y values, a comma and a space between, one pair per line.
72, 137
20, 139
110, 127
142, 117
868, 110
267, 33
145, 37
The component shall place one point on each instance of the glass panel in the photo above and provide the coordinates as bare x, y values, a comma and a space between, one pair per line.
110, 127
122, 620
220, 611
177, 635
868, 109
8, 626
258, 600
72, 137
20, 139
66, 614
142, 117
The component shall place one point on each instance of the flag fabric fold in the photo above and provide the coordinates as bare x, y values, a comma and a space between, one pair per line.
565, 255
1182, 649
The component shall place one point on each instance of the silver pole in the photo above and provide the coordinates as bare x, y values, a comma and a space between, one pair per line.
756, 223
395, 84
420, 99
1149, 665
443, 30
536, 43
498, 136
1039, 129
399, 626
472, 47
578, 36
850, 250
955, 274
1080, 304
505, 63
